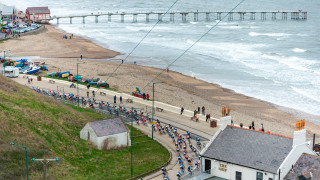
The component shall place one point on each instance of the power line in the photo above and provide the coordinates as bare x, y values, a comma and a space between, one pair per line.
159, 20
182, 54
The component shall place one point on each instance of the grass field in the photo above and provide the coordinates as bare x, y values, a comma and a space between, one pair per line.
50, 129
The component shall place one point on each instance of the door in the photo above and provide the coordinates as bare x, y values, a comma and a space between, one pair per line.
207, 166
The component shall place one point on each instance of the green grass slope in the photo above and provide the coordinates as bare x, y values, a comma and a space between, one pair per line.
51, 129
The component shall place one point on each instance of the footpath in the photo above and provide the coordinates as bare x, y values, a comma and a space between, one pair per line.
169, 115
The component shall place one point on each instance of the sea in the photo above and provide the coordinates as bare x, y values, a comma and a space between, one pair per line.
277, 61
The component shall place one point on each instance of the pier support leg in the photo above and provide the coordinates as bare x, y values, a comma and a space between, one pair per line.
253, 16
207, 16
184, 17
147, 18
134, 18
83, 20
219, 15
195, 17
274, 16
122, 18
96, 19
241, 16
160, 17
109, 18
172, 17
57, 20
230, 17
263, 16
71, 20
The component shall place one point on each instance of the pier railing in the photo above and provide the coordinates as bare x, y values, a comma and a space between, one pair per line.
240, 15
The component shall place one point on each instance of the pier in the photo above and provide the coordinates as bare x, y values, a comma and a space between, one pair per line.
194, 15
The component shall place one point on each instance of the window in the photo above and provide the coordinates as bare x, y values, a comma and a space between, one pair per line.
270, 179
238, 175
259, 176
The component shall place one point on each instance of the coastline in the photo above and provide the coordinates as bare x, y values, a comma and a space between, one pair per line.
178, 89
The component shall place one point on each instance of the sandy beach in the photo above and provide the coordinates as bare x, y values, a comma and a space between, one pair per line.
177, 89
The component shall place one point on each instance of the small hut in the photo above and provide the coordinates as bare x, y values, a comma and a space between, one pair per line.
106, 134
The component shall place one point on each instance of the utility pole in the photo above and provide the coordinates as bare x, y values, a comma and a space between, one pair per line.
78, 81
45, 162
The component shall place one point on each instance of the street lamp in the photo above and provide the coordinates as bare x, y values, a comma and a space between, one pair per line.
45, 162
153, 98
132, 135
25, 148
78, 82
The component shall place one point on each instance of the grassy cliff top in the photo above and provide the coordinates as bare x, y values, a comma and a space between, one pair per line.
51, 129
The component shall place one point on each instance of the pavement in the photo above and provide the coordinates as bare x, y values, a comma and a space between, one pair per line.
170, 115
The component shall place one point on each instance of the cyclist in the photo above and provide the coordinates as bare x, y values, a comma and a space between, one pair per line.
189, 169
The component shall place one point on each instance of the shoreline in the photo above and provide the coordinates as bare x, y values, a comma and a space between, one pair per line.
244, 109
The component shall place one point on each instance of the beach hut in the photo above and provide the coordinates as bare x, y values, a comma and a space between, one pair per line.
106, 134
11, 71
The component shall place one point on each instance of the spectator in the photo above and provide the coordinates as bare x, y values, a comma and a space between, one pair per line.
182, 109
120, 99
203, 110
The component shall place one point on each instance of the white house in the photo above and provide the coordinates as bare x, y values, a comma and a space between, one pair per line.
242, 154
11, 71
106, 134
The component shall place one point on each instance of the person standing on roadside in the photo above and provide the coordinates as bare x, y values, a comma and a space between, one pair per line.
87, 94
182, 109
120, 99
31, 80
115, 99
198, 109
93, 93
203, 110
88, 86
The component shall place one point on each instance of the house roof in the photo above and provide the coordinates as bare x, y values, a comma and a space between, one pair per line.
108, 127
249, 148
38, 10
306, 165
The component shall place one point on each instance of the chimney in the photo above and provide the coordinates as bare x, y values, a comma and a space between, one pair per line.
224, 121
299, 136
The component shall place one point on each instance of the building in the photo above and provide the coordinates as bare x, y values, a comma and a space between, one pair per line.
37, 13
307, 167
8, 14
240, 154
11, 71
106, 134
